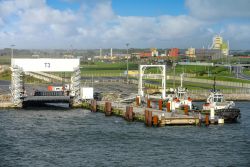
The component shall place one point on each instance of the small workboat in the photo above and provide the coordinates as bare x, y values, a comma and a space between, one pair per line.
223, 109
181, 98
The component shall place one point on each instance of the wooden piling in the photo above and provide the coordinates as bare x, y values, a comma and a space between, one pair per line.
148, 103
129, 114
108, 109
93, 106
155, 120
149, 118
168, 107
137, 101
160, 104
186, 109
207, 120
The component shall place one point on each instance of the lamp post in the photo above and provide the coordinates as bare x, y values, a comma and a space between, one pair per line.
12, 46
127, 44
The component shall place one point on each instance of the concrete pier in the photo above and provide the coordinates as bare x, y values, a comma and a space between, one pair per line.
150, 116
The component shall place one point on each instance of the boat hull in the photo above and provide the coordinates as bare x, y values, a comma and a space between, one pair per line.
230, 115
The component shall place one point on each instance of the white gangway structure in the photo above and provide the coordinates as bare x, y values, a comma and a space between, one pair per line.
161, 75
20, 66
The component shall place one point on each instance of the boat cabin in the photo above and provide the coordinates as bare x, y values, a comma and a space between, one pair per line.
215, 97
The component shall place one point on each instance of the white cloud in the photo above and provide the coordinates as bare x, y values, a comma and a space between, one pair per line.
47, 15
219, 9
94, 25
8, 7
102, 12
239, 32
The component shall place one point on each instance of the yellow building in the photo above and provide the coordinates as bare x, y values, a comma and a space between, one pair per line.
154, 52
218, 43
190, 52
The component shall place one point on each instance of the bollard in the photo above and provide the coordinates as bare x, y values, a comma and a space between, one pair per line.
207, 120
148, 103
149, 118
186, 109
160, 104
93, 106
168, 106
108, 109
155, 120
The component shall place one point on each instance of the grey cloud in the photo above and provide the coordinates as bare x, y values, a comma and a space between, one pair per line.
219, 9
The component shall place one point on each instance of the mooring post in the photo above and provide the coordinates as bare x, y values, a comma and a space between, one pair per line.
155, 120
186, 109
168, 106
160, 104
131, 114
108, 108
149, 118
93, 106
207, 120
138, 100
148, 103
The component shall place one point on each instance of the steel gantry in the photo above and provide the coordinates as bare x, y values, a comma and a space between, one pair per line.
161, 76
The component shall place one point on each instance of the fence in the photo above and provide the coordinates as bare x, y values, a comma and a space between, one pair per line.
224, 91
211, 82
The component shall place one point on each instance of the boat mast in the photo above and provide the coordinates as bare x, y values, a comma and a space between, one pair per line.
181, 79
214, 85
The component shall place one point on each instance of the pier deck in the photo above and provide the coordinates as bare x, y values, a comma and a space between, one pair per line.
163, 117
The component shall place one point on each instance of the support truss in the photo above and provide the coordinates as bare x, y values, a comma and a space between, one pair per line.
76, 84
161, 76
17, 90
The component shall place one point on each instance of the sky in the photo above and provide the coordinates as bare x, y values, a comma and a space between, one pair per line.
93, 24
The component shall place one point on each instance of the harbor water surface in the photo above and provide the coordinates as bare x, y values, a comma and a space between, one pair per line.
80, 138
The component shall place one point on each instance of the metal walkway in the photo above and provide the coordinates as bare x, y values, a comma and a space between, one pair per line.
48, 99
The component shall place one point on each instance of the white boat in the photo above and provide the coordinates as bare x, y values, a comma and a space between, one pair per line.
180, 97
223, 108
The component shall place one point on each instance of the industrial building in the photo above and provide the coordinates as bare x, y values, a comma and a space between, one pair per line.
173, 52
190, 52
219, 44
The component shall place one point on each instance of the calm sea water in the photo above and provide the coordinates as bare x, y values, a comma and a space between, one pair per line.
81, 138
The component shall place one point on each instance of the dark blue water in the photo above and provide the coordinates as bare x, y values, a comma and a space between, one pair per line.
81, 138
